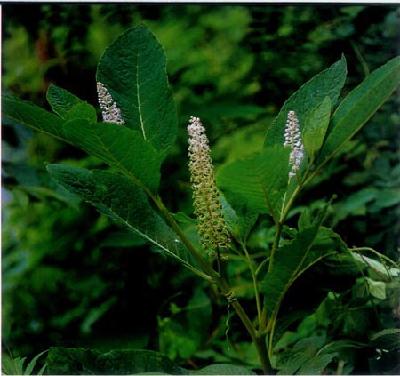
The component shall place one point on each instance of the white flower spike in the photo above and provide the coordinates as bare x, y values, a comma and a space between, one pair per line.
211, 224
109, 110
293, 140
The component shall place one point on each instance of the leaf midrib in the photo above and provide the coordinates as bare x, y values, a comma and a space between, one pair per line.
138, 97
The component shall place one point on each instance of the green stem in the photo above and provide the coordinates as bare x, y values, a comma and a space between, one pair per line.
221, 283
275, 245
261, 346
255, 286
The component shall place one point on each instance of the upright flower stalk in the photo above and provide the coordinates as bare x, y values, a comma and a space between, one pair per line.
109, 109
293, 140
211, 225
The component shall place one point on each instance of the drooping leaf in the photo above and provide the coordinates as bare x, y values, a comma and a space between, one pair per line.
133, 69
68, 106
328, 83
118, 146
28, 114
258, 182
316, 124
287, 263
359, 105
117, 197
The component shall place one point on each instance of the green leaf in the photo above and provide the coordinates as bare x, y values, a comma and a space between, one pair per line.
287, 263
304, 350
82, 111
125, 203
133, 69
359, 105
69, 106
31, 365
223, 369
257, 183
12, 366
316, 125
317, 364
80, 361
328, 83
119, 147
28, 114
376, 288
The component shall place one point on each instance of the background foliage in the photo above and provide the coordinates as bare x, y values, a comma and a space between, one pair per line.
72, 278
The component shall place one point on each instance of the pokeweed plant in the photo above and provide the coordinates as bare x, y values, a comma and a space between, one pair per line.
137, 131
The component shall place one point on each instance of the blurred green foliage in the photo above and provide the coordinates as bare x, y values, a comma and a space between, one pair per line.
72, 278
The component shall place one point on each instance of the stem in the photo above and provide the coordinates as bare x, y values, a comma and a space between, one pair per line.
275, 245
261, 347
222, 284
255, 286
204, 265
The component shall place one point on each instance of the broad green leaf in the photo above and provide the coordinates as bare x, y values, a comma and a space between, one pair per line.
287, 264
317, 364
376, 288
82, 111
78, 361
26, 113
316, 124
69, 106
328, 83
118, 146
223, 369
125, 203
258, 182
291, 360
133, 69
359, 105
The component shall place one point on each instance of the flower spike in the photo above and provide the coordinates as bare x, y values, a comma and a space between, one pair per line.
293, 140
211, 224
109, 110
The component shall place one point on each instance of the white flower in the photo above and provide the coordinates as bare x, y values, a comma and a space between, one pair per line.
293, 140
109, 110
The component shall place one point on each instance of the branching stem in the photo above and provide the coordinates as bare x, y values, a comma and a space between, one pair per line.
257, 339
